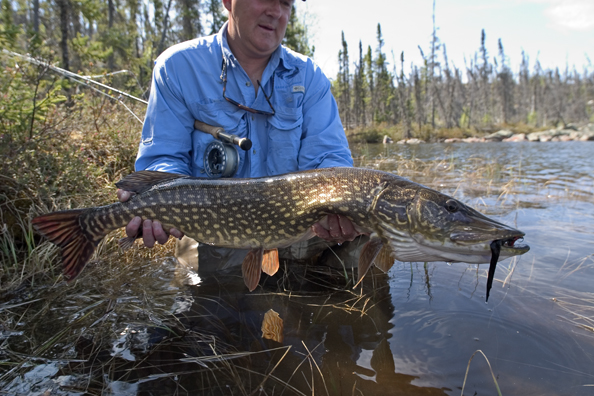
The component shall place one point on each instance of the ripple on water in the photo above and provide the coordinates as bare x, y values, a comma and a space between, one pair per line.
530, 349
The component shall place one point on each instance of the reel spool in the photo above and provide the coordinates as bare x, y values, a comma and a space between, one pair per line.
220, 160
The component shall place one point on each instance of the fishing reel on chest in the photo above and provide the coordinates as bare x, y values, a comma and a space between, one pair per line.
221, 158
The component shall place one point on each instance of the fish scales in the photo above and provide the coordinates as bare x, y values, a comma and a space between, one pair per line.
405, 220
266, 212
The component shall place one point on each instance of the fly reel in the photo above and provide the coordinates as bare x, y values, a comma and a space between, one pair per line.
221, 158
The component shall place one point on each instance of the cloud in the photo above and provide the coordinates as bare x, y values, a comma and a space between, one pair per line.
571, 14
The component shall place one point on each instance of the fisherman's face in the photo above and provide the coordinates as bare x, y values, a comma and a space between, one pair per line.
257, 27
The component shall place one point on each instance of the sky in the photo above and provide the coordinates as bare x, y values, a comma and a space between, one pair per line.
555, 32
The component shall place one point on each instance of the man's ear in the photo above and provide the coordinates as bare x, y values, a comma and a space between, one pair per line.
227, 4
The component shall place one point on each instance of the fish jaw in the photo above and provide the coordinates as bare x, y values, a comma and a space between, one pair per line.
478, 252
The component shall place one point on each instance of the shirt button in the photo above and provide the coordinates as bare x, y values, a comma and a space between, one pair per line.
254, 151
248, 84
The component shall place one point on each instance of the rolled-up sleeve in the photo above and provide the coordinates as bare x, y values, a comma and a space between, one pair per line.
166, 142
323, 142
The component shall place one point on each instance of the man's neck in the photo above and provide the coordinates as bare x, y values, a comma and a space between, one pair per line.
253, 65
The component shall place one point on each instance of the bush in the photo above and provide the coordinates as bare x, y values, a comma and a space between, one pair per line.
57, 152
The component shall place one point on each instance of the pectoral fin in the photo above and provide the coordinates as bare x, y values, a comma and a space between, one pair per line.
368, 254
270, 261
384, 260
251, 268
126, 243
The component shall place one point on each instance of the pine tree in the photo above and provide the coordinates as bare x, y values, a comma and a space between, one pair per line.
296, 35
188, 14
343, 89
359, 89
216, 15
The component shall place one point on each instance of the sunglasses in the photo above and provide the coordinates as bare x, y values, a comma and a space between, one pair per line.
243, 107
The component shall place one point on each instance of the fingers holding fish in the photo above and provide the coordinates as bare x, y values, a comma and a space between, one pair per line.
151, 231
349, 233
133, 227
124, 195
335, 228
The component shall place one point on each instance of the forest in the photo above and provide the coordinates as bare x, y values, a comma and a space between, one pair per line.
486, 94
119, 40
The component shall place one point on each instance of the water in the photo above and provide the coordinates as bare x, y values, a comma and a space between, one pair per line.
409, 332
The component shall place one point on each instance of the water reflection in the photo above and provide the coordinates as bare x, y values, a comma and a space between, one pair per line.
410, 332
339, 342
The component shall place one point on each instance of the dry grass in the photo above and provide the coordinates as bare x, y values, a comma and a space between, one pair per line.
88, 327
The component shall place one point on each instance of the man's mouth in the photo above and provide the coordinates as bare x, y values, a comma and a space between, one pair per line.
267, 27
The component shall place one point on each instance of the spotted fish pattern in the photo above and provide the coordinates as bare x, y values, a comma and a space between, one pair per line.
267, 213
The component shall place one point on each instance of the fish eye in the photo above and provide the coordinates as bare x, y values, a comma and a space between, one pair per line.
452, 206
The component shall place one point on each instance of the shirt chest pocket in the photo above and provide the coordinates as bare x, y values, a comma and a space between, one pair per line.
220, 114
284, 140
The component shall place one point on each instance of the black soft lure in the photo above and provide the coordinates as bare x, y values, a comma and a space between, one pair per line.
495, 250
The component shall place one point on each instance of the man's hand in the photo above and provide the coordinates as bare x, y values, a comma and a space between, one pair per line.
335, 228
152, 231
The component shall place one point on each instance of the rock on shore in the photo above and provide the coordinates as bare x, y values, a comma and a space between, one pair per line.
569, 133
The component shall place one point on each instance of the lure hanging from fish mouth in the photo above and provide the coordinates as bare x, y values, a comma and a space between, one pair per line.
495, 250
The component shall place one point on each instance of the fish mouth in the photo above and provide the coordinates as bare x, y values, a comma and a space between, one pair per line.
510, 245
510, 241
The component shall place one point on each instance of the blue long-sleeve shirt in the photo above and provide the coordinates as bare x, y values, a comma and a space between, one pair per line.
305, 132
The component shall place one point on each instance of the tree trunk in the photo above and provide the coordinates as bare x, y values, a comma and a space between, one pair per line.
110, 23
63, 9
36, 16
161, 46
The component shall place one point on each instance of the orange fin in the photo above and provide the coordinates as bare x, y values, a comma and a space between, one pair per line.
270, 261
272, 326
251, 268
64, 229
368, 254
384, 260
142, 181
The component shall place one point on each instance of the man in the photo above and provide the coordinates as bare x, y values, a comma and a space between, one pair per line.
243, 80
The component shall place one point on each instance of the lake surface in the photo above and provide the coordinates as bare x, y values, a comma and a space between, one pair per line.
411, 331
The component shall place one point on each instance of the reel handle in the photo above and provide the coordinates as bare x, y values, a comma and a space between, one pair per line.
219, 133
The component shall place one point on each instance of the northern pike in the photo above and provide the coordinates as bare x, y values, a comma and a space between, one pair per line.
405, 220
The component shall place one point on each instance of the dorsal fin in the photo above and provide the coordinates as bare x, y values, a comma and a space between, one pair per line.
142, 181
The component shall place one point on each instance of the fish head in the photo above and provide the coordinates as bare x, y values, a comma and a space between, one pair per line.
437, 227
458, 233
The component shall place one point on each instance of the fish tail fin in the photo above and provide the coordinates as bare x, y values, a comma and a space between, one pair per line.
64, 229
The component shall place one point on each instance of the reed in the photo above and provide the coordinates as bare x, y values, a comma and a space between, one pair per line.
70, 156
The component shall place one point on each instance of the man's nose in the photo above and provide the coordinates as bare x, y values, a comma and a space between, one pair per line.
274, 9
